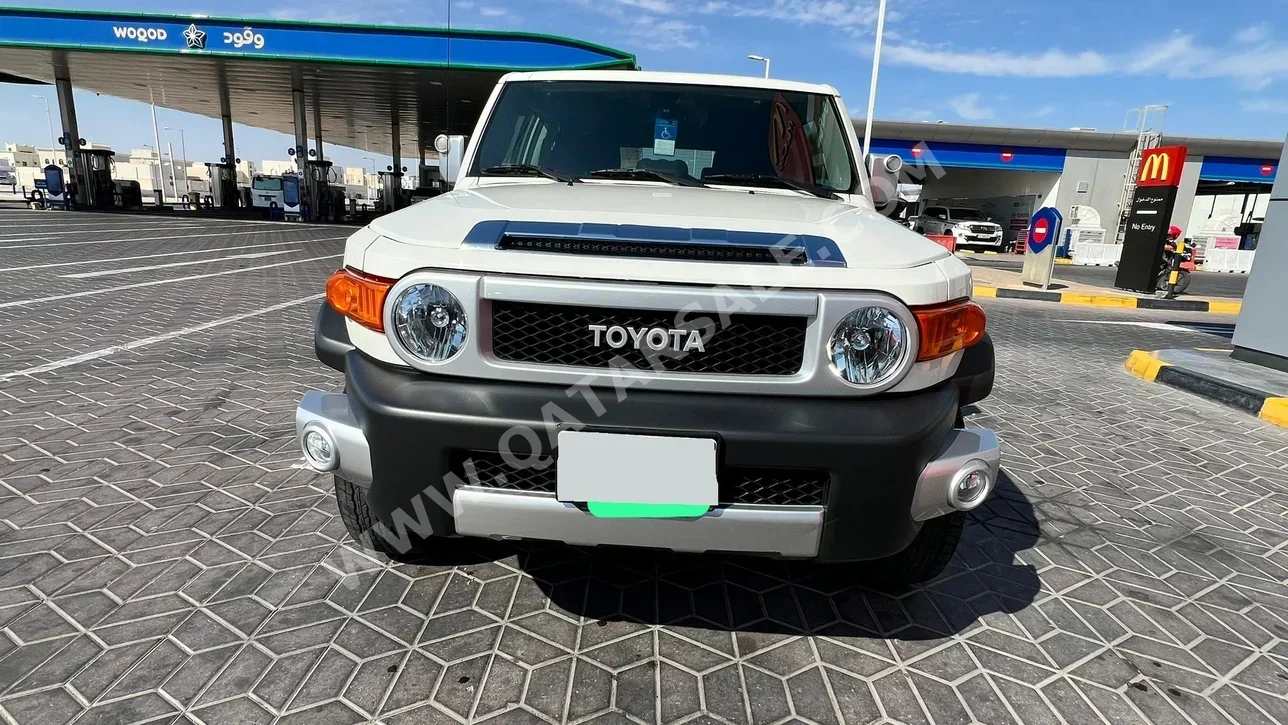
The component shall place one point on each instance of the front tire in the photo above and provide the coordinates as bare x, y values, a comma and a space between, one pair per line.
927, 555
357, 518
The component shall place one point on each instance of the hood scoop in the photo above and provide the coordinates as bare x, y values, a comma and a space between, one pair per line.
648, 242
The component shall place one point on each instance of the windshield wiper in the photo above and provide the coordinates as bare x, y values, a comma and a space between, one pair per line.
527, 170
768, 180
646, 175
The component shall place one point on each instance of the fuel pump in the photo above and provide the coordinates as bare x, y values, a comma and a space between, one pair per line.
223, 186
391, 190
318, 185
55, 190
100, 191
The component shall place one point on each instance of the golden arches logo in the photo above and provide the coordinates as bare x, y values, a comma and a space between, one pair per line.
1157, 167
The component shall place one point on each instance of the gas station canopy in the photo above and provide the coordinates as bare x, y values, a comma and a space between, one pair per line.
359, 75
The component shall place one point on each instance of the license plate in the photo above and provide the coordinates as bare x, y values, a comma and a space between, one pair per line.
637, 476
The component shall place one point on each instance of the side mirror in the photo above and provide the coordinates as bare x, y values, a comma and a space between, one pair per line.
884, 176
451, 151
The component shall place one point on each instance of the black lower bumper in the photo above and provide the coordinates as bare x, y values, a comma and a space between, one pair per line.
872, 450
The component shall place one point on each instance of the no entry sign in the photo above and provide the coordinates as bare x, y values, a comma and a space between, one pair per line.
1043, 229
1039, 259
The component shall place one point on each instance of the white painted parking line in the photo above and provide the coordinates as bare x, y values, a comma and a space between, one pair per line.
127, 270
5, 237
182, 219
81, 262
139, 239
144, 342
136, 285
103, 225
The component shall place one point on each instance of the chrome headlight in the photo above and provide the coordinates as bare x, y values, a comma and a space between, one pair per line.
868, 347
430, 322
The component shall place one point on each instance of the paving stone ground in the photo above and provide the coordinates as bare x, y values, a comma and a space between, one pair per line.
164, 557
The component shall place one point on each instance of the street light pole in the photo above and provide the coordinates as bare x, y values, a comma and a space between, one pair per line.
872, 89
761, 59
49, 119
183, 145
156, 138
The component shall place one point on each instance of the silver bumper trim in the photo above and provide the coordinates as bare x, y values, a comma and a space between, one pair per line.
792, 532
940, 475
332, 412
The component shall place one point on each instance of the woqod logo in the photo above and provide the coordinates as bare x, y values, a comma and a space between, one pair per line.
246, 37
143, 35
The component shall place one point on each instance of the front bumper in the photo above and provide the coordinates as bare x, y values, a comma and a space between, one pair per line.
890, 462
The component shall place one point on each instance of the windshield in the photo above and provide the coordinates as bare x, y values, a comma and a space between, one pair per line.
574, 128
967, 215
263, 184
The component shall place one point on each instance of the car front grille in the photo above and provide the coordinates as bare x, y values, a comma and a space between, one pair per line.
765, 486
729, 253
982, 229
561, 335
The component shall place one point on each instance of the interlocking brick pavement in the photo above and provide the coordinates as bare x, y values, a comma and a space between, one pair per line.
163, 557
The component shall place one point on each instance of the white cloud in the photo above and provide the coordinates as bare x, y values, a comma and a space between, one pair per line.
1042, 112
677, 23
489, 11
1177, 57
1253, 34
656, 34
1265, 105
844, 14
967, 106
1051, 64
661, 7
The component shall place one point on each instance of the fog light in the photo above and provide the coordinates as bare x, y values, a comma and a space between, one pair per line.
319, 448
971, 485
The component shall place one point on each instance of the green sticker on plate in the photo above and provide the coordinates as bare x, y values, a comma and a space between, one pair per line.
606, 510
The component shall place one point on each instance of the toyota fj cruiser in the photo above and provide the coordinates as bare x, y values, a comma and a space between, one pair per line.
657, 310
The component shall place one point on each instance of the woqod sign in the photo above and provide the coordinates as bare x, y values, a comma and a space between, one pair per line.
143, 35
244, 38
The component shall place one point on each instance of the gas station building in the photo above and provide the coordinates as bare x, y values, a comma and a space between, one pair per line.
386, 89
1086, 175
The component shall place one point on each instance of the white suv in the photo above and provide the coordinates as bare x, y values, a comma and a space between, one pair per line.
968, 226
657, 310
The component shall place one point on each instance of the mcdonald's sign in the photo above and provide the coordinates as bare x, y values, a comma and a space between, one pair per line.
1161, 166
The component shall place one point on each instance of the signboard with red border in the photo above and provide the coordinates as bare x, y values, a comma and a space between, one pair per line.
1044, 229
1161, 166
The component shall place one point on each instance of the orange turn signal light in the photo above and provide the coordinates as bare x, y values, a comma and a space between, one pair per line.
359, 296
947, 328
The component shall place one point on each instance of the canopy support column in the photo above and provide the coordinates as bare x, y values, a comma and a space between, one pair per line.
394, 189
301, 143
71, 130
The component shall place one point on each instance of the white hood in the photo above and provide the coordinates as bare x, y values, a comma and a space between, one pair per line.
879, 254
866, 239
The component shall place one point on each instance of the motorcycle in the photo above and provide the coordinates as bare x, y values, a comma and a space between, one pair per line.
1187, 266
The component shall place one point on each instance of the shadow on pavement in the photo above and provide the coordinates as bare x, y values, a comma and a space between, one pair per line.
779, 597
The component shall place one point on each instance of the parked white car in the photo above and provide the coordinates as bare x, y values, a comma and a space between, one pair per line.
969, 226
657, 310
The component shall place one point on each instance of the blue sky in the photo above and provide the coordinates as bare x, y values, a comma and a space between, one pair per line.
1222, 67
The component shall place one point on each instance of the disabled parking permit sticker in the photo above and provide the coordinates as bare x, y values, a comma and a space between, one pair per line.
664, 131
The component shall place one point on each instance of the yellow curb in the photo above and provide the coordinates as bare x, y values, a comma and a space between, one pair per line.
1225, 308
988, 252
1275, 411
984, 291
1070, 298
1144, 365
1062, 260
